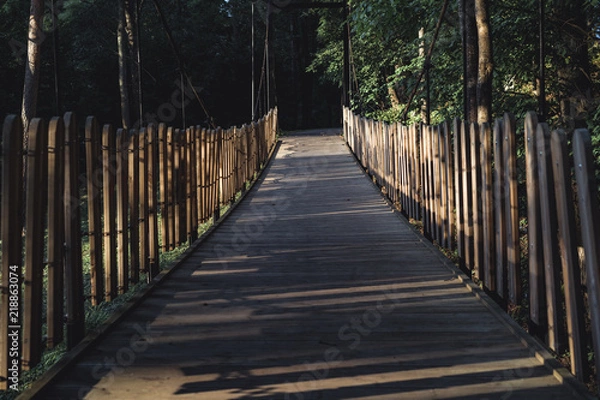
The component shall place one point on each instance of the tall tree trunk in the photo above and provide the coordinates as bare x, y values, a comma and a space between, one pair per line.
122, 49
574, 67
33, 65
471, 58
133, 57
486, 63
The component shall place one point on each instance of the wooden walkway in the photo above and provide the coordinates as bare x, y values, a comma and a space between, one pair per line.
313, 288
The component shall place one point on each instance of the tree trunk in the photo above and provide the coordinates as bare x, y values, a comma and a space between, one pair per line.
133, 56
122, 49
485, 64
574, 68
32, 67
471, 59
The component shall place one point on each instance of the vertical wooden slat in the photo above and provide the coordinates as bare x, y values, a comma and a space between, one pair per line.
554, 314
499, 209
218, 163
134, 204
35, 204
450, 187
152, 209
590, 229
170, 196
122, 194
55, 288
537, 303
487, 208
108, 192
458, 183
163, 171
188, 185
143, 194
568, 249
194, 161
513, 252
176, 180
438, 178
74, 295
182, 188
467, 185
12, 263
440, 198
476, 201
204, 175
93, 161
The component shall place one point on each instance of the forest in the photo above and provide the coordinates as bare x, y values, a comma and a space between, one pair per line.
126, 62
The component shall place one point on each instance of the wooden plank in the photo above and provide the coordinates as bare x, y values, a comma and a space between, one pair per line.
450, 187
35, 208
499, 209
204, 175
467, 190
188, 185
56, 240
176, 185
218, 169
74, 293
109, 217
513, 250
590, 229
163, 178
152, 190
93, 160
568, 248
194, 161
122, 194
443, 186
556, 332
458, 192
133, 165
487, 208
143, 193
170, 196
537, 305
12, 262
476, 168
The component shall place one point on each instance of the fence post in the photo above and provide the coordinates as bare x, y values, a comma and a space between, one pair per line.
568, 249
74, 297
35, 188
143, 194
513, 253
94, 187
458, 183
55, 289
537, 304
590, 227
12, 262
108, 192
556, 332
134, 204
477, 229
499, 207
487, 203
467, 210
122, 194
152, 209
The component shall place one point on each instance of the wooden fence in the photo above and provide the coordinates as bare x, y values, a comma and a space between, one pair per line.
138, 193
473, 194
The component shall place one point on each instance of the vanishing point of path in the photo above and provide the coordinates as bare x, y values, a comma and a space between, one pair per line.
313, 288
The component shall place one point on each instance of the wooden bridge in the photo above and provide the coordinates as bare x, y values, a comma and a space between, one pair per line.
314, 287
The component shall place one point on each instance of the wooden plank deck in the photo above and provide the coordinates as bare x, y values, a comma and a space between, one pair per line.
313, 288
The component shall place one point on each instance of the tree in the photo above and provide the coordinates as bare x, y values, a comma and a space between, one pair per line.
35, 38
485, 62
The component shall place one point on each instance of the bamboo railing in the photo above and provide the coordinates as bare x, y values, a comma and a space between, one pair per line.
462, 183
138, 193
